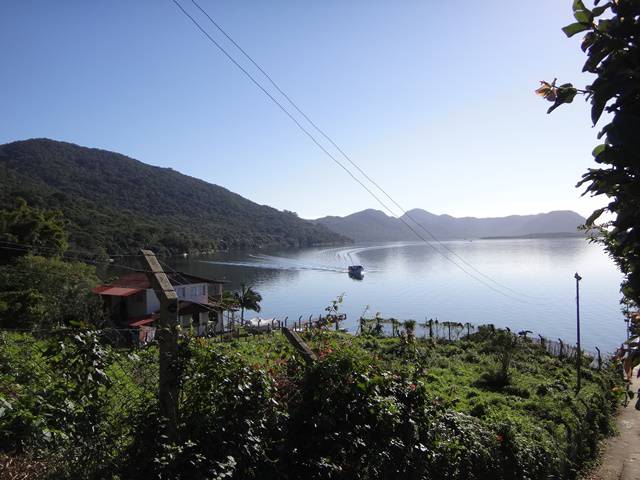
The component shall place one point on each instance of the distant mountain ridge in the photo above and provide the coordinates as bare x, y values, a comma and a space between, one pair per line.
375, 226
117, 204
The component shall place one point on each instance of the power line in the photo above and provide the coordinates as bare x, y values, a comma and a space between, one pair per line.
80, 252
326, 152
348, 158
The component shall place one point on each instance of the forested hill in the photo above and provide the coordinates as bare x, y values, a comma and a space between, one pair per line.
114, 203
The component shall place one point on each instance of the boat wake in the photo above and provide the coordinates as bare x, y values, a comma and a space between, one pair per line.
279, 263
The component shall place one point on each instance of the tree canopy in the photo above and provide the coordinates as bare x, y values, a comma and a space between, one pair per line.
38, 292
31, 230
248, 299
116, 204
612, 45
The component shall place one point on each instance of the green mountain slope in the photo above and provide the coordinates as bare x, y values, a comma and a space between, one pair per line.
117, 204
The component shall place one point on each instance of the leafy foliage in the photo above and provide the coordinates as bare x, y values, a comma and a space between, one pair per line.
39, 292
611, 43
370, 408
117, 204
31, 230
247, 299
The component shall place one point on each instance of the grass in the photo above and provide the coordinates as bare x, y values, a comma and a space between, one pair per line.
530, 416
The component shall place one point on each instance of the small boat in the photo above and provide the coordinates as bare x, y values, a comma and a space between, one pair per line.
356, 271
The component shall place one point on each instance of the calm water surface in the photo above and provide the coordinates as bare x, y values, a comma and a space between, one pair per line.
414, 281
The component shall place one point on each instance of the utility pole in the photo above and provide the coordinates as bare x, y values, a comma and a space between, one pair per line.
579, 353
167, 336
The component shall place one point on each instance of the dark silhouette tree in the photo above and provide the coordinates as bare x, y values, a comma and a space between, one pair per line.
612, 45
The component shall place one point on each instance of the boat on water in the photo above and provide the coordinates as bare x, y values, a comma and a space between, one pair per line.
356, 271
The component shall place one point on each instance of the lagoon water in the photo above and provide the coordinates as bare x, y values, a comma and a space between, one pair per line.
524, 284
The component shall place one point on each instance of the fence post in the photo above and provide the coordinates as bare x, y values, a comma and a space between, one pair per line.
167, 343
599, 359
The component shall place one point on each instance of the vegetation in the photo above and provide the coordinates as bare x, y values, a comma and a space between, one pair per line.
247, 299
39, 292
38, 288
24, 229
369, 408
612, 45
116, 204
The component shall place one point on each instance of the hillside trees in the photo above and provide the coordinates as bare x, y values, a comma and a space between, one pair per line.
612, 44
38, 288
25, 229
116, 204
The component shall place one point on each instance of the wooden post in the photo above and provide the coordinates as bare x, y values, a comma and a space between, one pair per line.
167, 336
299, 345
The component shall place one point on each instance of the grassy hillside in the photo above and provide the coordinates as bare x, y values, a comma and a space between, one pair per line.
370, 408
117, 204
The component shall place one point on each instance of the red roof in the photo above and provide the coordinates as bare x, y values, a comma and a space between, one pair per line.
138, 322
124, 286
116, 291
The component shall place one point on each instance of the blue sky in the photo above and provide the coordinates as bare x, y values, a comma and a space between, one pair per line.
433, 99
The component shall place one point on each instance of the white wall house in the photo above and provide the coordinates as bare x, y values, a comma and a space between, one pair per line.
131, 302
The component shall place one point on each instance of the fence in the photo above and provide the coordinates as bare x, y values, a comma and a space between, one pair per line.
72, 391
433, 329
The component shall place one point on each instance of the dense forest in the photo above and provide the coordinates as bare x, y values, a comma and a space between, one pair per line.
116, 204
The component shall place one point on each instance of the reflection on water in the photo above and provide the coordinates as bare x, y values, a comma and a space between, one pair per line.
535, 289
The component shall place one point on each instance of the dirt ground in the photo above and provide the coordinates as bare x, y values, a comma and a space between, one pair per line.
621, 457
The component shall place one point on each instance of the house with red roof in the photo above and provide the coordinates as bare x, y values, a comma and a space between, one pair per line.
130, 302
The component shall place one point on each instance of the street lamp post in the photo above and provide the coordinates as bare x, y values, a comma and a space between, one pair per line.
578, 353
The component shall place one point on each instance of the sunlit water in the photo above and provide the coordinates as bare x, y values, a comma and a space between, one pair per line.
535, 288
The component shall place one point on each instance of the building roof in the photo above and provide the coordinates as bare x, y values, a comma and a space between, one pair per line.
116, 291
145, 320
135, 282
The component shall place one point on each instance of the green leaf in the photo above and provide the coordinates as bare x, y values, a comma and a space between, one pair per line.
571, 30
594, 216
583, 16
598, 150
604, 25
597, 107
578, 5
566, 94
589, 39
600, 10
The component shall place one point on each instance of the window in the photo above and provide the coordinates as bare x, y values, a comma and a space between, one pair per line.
181, 292
203, 290
194, 291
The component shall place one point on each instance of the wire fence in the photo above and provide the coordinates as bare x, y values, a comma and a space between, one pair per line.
79, 388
